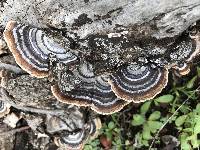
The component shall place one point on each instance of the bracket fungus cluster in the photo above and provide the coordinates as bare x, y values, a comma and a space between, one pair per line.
93, 91
4, 109
77, 140
32, 49
132, 80
138, 82
72, 130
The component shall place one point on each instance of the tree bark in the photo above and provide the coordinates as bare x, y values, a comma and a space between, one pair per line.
80, 19
84, 17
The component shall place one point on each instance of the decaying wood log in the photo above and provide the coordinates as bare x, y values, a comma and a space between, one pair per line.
110, 44
149, 17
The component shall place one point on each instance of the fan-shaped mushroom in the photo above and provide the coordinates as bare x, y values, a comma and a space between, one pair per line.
31, 48
91, 91
185, 51
104, 90
77, 141
196, 50
4, 109
182, 69
138, 83
71, 130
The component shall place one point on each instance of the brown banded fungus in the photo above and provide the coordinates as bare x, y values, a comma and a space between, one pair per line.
32, 48
183, 53
76, 141
103, 72
93, 91
4, 109
71, 130
138, 83
182, 69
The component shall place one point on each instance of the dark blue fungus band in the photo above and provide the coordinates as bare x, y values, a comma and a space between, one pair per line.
137, 83
92, 91
31, 48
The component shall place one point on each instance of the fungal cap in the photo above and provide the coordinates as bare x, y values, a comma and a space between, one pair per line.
92, 91
32, 49
100, 109
196, 52
138, 84
4, 109
12, 45
95, 126
60, 144
182, 70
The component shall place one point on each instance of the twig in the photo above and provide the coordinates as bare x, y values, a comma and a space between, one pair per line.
11, 132
166, 123
10, 67
6, 98
157, 134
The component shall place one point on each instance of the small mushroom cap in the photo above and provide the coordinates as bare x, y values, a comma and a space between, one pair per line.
74, 141
182, 69
72, 130
137, 83
4, 109
70, 142
92, 91
77, 141
95, 126
31, 48
68, 129
196, 51
184, 49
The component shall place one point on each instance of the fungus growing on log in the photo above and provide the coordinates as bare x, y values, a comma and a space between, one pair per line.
91, 91
107, 72
4, 109
138, 83
32, 48
196, 51
182, 69
71, 130
77, 141
184, 52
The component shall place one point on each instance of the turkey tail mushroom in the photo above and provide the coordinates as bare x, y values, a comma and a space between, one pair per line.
31, 48
95, 126
181, 69
185, 51
74, 141
4, 109
196, 51
137, 83
92, 91
77, 139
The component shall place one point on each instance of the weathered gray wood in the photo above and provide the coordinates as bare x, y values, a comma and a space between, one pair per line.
84, 17
81, 18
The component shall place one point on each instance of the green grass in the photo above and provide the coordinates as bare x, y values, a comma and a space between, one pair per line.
175, 112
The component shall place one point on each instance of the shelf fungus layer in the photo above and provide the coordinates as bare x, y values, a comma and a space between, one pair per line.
32, 48
76, 141
4, 109
185, 49
181, 69
90, 91
138, 83
196, 51
72, 130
